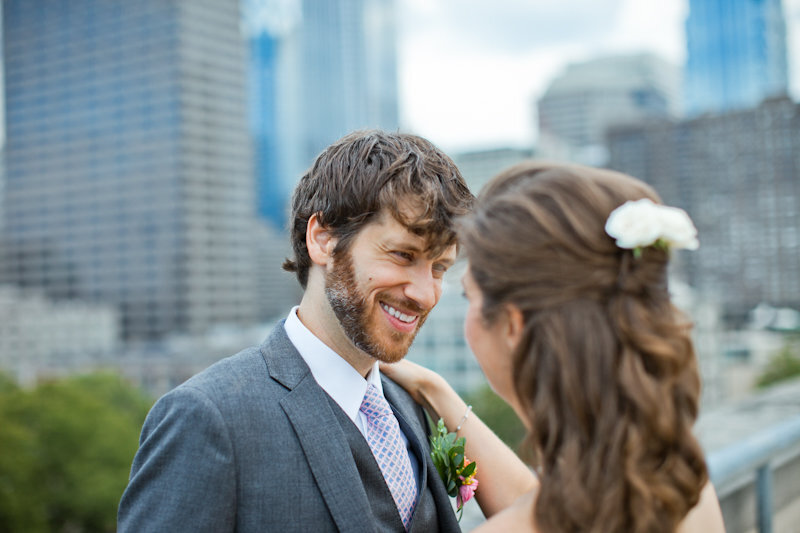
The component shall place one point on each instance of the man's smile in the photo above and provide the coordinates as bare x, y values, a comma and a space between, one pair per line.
400, 320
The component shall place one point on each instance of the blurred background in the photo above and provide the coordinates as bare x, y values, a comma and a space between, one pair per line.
149, 151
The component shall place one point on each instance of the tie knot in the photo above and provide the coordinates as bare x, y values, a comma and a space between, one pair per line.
374, 405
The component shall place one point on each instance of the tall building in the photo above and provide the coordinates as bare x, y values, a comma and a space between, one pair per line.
737, 176
318, 69
40, 338
736, 54
588, 98
480, 166
264, 127
338, 73
440, 344
267, 24
129, 171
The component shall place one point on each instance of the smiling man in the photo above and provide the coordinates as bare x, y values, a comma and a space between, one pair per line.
302, 433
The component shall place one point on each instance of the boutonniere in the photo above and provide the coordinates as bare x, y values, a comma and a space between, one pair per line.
457, 472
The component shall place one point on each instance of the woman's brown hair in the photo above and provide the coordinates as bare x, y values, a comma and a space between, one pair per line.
605, 372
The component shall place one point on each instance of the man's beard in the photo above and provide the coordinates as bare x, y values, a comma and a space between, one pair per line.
353, 312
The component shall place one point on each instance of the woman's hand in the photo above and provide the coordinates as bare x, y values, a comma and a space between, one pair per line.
503, 476
420, 382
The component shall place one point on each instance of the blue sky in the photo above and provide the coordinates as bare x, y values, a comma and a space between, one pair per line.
471, 70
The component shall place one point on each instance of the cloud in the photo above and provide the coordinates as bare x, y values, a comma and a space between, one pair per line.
511, 27
470, 70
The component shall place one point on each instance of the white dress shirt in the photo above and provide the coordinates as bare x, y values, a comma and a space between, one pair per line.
337, 377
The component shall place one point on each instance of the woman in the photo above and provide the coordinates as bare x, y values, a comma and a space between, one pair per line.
575, 329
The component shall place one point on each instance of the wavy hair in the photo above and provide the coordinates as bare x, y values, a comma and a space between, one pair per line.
605, 372
365, 172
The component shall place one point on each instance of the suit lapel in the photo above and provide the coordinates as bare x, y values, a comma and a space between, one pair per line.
407, 418
321, 437
404, 407
414, 428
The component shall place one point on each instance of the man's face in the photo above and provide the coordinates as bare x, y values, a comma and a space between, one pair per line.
382, 289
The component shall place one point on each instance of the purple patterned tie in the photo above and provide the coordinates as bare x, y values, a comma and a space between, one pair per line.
388, 447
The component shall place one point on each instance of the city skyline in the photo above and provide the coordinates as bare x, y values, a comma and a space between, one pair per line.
129, 173
436, 88
469, 84
736, 55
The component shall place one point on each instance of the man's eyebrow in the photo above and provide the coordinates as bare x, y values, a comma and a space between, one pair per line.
446, 262
405, 244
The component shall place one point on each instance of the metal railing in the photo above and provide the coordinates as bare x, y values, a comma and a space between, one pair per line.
756, 453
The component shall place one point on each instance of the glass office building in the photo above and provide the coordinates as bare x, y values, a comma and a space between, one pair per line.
736, 54
129, 167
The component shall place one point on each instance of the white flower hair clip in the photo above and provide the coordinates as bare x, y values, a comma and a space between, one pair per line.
637, 225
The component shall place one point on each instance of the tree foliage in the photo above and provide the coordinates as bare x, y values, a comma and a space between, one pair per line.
782, 366
67, 447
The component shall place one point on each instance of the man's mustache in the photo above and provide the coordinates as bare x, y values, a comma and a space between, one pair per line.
404, 304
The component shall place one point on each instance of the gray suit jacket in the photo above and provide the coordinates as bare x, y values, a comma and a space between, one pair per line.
253, 444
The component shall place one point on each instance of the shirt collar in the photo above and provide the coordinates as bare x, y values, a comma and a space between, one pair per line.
336, 376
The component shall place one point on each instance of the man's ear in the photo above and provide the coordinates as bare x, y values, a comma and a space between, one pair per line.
515, 324
319, 241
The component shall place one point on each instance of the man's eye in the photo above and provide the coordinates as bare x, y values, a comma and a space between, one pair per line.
439, 270
405, 256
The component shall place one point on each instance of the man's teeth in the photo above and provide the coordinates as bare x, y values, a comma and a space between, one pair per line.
397, 314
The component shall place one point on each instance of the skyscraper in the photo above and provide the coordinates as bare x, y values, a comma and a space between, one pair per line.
349, 68
589, 97
129, 171
736, 54
736, 174
318, 69
267, 23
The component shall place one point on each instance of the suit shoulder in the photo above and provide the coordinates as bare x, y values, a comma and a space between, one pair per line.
246, 366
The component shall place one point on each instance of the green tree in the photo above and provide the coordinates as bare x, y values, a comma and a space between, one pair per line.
70, 444
782, 366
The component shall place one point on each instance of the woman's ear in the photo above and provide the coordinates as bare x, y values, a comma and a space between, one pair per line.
319, 241
514, 326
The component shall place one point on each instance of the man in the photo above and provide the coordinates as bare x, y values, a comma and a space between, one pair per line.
297, 434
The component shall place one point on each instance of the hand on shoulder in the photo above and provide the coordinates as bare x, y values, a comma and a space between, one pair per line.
420, 382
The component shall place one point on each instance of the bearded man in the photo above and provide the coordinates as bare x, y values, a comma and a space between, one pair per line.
302, 433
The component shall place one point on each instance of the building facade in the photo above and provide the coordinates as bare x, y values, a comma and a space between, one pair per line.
338, 73
736, 54
129, 168
738, 176
479, 166
41, 338
440, 343
318, 69
587, 98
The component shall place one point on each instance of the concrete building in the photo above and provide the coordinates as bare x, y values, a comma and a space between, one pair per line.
737, 176
267, 25
335, 71
278, 290
41, 338
480, 166
736, 54
129, 168
587, 98
440, 344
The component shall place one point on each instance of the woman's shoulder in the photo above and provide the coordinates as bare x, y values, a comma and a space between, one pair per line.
517, 517
706, 516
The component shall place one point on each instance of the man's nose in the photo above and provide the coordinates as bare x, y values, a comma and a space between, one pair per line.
423, 288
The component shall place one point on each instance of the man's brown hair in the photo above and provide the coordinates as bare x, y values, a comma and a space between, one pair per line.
357, 177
